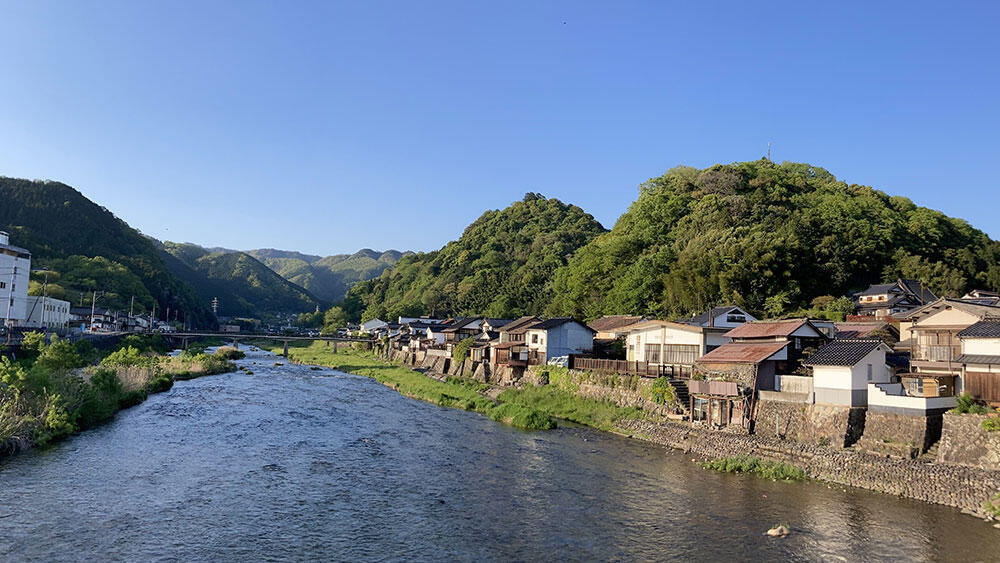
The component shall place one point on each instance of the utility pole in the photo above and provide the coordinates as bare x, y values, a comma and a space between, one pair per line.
131, 307
10, 301
93, 309
769, 150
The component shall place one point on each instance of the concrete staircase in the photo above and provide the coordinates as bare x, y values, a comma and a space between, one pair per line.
681, 390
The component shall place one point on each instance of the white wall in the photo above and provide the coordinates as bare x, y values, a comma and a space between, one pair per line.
56, 312
18, 291
947, 317
720, 320
565, 339
986, 346
880, 399
665, 334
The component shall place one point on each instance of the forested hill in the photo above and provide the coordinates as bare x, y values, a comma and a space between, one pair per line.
501, 266
328, 277
767, 236
244, 286
87, 248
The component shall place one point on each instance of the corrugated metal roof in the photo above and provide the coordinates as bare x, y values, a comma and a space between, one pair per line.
766, 329
742, 353
845, 352
858, 330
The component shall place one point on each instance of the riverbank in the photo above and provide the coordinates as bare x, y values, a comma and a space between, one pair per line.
528, 408
961, 487
57, 388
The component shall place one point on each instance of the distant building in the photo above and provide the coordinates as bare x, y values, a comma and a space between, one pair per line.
884, 300
982, 297
725, 316
47, 312
610, 327
15, 270
372, 325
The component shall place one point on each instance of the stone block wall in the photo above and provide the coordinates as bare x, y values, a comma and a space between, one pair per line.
622, 390
833, 425
964, 442
899, 434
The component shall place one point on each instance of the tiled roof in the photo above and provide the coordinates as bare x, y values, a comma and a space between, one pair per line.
844, 352
980, 359
742, 353
981, 311
986, 328
920, 290
703, 318
461, 323
520, 325
858, 330
555, 322
611, 322
765, 329
879, 289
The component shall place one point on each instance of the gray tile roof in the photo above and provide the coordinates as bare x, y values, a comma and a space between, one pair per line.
981, 359
703, 318
844, 352
557, 321
986, 328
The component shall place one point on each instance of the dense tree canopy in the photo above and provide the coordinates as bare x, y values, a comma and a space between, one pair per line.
768, 237
501, 266
87, 248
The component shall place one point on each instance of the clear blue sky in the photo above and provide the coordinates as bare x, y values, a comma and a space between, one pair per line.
330, 126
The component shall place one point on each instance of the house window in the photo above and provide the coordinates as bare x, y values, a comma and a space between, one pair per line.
736, 319
869, 372
653, 353
534, 339
798, 343
3, 285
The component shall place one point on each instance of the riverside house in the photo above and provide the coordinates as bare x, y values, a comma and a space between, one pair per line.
980, 360
612, 327
510, 348
734, 372
936, 365
843, 369
556, 338
671, 348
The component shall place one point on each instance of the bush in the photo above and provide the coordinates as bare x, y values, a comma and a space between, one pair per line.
663, 392
965, 404
128, 357
461, 350
229, 353
991, 424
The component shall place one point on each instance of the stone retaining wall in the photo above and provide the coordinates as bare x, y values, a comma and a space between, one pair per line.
834, 425
965, 488
964, 442
899, 434
622, 390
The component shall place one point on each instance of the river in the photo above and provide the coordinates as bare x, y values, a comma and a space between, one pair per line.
291, 463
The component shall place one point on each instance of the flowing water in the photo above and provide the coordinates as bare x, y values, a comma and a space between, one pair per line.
295, 464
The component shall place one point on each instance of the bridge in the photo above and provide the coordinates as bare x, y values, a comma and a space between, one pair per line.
235, 337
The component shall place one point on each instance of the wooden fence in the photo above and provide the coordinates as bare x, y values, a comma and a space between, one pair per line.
644, 369
983, 386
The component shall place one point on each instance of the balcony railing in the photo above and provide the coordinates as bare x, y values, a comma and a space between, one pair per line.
937, 353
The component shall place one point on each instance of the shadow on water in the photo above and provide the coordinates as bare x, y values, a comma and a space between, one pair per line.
293, 463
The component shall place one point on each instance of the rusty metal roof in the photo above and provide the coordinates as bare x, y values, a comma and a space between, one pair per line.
742, 352
767, 329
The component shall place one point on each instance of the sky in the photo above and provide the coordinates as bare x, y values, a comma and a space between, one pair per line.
325, 127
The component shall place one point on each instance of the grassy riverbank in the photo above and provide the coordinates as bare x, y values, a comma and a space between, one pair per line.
773, 470
532, 408
58, 388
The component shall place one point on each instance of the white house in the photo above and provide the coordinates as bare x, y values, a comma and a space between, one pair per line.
842, 370
557, 337
671, 343
47, 312
726, 316
15, 269
373, 325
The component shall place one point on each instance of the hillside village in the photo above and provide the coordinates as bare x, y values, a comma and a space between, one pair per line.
890, 370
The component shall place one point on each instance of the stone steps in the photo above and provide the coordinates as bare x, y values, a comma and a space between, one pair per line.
681, 390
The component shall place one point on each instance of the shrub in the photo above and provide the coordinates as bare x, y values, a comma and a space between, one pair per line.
229, 353
965, 404
663, 391
128, 357
991, 424
992, 506
461, 350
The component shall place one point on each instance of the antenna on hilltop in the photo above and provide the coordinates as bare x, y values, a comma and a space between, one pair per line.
769, 150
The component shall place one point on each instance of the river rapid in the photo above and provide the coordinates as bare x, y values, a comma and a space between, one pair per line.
291, 463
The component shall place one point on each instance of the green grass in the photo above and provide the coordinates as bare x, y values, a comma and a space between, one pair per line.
453, 392
773, 470
562, 403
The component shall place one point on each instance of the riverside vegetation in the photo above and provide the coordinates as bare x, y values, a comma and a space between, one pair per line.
529, 407
57, 388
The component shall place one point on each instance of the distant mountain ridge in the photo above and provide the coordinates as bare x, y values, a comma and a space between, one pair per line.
243, 285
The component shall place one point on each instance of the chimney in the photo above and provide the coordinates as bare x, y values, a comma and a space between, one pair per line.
4, 238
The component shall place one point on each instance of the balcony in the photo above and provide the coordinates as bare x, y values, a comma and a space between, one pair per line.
936, 353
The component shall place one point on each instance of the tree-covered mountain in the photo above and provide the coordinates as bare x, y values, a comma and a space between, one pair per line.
501, 266
244, 286
768, 237
86, 248
328, 277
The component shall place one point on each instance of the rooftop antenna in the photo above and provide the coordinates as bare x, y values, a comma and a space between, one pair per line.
769, 150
